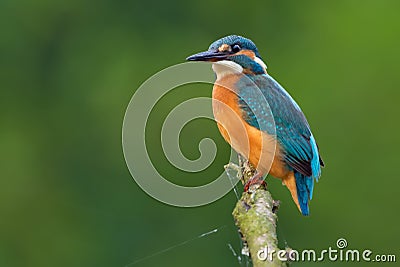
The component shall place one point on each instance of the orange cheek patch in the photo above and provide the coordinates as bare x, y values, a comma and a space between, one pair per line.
248, 53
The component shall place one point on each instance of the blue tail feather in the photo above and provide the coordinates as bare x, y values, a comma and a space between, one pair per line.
315, 161
305, 186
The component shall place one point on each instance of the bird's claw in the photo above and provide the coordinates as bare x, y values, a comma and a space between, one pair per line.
257, 179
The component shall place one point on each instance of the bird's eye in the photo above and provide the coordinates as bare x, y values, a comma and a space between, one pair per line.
236, 48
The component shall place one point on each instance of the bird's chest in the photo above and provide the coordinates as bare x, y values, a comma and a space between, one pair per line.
247, 140
227, 112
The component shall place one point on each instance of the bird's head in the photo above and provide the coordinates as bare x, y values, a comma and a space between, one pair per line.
232, 54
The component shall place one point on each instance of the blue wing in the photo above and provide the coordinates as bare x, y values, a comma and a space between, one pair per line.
291, 127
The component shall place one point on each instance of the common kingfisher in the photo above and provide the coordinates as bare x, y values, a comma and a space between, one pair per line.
288, 150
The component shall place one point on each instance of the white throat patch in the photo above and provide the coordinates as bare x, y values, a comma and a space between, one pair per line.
225, 67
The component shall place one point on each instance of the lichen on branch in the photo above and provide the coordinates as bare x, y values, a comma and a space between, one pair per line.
256, 218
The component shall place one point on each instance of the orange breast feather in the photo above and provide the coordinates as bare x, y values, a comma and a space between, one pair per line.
258, 147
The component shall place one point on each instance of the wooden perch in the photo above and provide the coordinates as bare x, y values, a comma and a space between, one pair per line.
255, 217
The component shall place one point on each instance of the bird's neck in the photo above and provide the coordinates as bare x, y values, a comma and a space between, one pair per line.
225, 67
230, 67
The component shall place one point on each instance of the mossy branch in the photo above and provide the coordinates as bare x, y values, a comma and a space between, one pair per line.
255, 216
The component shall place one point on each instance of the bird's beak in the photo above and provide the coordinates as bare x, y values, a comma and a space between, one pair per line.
208, 56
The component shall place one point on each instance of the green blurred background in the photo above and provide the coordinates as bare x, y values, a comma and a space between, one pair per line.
69, 69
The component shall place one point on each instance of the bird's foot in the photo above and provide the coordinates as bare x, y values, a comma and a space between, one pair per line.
257, 179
